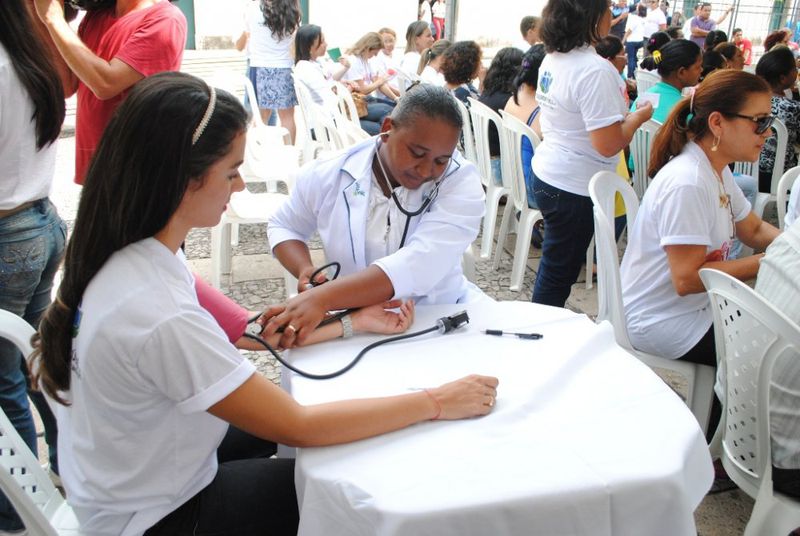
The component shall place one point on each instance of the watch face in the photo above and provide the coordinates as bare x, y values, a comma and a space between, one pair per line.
254, 328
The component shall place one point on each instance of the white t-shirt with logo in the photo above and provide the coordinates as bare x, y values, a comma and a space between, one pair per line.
148, 361
681, 207
578, 92
652, 22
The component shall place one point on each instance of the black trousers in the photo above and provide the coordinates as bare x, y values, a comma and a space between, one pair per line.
252, 494
705, 353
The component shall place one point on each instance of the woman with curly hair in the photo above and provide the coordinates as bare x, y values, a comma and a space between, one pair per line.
271, 25
461, 64
497, 89
778, 37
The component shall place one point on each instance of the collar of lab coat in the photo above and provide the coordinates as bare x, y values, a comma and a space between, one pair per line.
358, 166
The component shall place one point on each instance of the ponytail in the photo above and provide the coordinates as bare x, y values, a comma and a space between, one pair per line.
725, 91
671, 138
430, 54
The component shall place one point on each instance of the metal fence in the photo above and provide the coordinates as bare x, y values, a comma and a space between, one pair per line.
756, 18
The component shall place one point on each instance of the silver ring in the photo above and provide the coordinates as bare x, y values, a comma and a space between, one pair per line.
289, 326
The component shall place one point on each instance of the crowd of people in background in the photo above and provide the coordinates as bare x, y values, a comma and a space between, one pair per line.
576, 80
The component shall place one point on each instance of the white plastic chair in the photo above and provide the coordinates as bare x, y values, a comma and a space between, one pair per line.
404, 80
29, 489
783, 193
750, 336
244, 207
762, 198
640, 152
468, 139
512, 132
349, 115
268, 159
602, 189
482, 116
645, 80
321, 133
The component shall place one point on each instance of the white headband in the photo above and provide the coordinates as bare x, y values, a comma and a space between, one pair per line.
212, 102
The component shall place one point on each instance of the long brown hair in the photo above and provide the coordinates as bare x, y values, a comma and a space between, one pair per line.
725, 91
137, 178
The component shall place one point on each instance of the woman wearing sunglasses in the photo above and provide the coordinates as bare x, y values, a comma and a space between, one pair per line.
691, 214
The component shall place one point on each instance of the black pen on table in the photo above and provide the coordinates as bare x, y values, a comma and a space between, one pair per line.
500, 333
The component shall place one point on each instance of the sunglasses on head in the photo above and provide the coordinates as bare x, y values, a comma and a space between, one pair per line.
763, 122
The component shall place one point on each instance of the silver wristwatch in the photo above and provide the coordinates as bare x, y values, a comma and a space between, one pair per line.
347, 326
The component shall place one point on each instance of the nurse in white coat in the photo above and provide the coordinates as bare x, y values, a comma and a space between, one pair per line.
356, 199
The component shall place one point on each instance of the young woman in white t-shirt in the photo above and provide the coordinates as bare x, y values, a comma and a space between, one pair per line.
585, 124
430, 63
145, 384
691, 214
418, 38
361, 74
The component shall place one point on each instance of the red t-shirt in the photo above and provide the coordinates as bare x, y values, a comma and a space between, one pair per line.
747, 49
149, 40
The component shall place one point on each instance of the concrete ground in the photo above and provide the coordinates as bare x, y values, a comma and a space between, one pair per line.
257, 280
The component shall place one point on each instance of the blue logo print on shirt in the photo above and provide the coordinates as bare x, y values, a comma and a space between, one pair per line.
545, 81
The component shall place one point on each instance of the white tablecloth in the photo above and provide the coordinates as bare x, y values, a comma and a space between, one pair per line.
584, 439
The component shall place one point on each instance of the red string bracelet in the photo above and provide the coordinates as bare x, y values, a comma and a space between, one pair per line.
438, 405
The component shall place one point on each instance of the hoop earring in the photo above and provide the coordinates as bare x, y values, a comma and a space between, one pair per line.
715, 145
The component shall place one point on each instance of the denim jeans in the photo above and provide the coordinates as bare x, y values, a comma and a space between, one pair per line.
631, 49
569, 226
376, 112
749, 187
31, 246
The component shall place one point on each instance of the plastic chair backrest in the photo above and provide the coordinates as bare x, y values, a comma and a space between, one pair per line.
319, 122
467, 136
512, 133
22, 479
745, 168
405, 79
750, 336
482, 116
239, 85
645, 80
603, 188
640, 152
751, 168
307, 107
784, 189
781, 141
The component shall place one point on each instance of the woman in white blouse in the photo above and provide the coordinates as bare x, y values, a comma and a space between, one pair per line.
418, 38
691, 214
361, 73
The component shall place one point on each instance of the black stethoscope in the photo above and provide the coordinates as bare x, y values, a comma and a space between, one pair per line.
429, 197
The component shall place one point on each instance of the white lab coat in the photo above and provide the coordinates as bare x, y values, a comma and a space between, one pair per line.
332, 196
